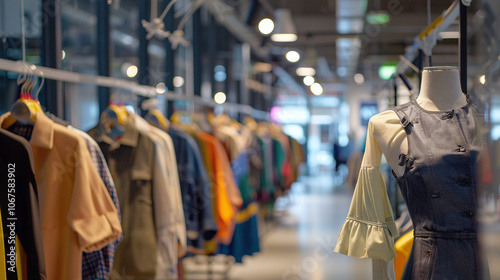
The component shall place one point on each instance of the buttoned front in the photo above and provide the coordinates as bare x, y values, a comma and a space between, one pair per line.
131, 163
439, 188
77, 214
168, 212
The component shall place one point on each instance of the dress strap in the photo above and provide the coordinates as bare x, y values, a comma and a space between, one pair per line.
405, 114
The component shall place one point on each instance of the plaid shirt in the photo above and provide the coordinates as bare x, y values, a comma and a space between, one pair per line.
22, 130
98, 264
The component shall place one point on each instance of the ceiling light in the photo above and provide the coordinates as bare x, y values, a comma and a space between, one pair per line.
342, 71
220, 76
132, 71
293, 56
284, 38
284, 29
178, 81
220, 97
359, 78
266, 26
449, 35
308, 80
305, 71
316, 89
63, 54
482, 79
219, 68
160, 88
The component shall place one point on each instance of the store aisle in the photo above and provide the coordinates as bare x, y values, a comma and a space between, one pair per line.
301, 245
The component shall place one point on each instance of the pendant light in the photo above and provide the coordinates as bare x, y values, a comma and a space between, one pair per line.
284, 29
308, 67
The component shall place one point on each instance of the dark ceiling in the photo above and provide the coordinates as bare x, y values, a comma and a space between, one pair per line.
316, 24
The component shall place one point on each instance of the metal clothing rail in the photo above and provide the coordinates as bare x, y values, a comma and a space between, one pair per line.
245, 109
147, 91
71, 77
427, 39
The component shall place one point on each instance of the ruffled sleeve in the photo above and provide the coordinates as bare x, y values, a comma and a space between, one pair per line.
369, 229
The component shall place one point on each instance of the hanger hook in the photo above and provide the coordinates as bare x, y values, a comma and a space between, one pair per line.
41, 85
23, 78
32, 80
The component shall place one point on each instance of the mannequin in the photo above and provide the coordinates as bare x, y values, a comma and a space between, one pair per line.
440, 91
370, 214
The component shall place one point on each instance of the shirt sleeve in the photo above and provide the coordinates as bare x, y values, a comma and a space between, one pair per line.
166, 247
204, 202
226, 195
92, 214
369, 229
176, 197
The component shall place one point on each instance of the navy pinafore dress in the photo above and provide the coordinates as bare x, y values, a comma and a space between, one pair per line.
439, 188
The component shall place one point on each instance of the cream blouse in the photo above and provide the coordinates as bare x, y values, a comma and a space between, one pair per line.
369, 229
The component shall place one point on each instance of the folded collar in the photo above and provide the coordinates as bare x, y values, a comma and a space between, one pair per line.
43, 130
129, 138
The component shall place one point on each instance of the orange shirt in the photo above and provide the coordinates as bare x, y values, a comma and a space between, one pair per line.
227, 195
76, 211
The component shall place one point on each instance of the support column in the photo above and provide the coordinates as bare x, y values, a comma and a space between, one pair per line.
169, 22
103, 53
51, 96
143, 75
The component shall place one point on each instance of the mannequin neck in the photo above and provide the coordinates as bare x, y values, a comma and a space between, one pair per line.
440, 89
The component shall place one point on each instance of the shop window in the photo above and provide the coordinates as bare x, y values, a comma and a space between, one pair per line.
11, 43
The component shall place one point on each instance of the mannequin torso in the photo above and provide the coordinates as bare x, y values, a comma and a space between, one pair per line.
440, 91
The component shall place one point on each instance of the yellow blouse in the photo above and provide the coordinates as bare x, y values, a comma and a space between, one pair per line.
369, 229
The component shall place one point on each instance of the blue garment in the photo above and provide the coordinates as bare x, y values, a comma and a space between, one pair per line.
240, 166
195, 189
98, 264
245, 241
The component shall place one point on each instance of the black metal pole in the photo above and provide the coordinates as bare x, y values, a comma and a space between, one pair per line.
395, 87
212, 52
169, 58
103, 53
197, 52
463, 47
52, 55
143, 75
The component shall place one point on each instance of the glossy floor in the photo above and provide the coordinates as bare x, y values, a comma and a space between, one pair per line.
300, 244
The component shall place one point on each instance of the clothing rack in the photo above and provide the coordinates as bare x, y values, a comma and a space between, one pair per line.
142, 90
